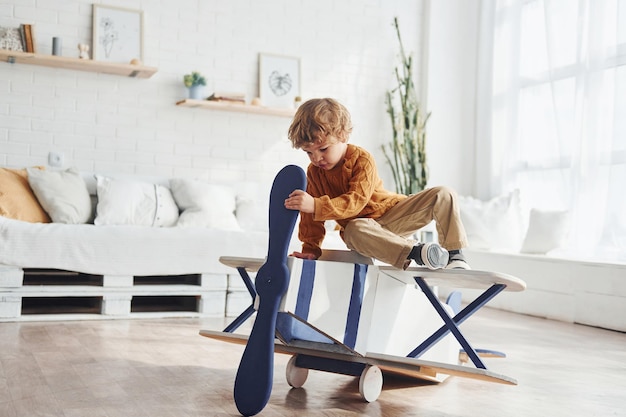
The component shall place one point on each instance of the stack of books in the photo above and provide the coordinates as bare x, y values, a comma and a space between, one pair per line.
28, 38
238, 98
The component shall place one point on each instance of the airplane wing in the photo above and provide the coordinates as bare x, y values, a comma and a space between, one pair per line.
396, 365
455, 278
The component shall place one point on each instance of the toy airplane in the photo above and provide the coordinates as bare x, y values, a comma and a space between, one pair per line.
361, 325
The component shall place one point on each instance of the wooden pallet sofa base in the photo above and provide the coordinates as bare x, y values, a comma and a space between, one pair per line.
49, 294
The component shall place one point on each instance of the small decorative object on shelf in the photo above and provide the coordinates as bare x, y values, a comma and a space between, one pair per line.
236, 98
194, 82
11, 39
83, 51
297, 101
56, 46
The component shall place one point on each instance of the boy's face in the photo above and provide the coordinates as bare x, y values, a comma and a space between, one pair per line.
326, 154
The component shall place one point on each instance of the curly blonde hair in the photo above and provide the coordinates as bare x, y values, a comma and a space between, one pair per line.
318, 118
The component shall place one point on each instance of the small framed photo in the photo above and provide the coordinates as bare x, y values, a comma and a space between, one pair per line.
279, 80
117, 34
11, 39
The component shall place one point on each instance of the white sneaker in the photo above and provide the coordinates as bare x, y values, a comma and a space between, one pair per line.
434, 256
458, 264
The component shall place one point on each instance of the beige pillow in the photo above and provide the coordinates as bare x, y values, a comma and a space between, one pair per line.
62, 194
17, 200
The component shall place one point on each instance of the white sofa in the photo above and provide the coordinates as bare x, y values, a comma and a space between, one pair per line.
527, 243
63, 270
152, 247
560, 288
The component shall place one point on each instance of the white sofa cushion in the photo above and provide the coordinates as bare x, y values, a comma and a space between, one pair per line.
547, 230
128, 202
204, 204
494, 224
62, 194
253, 202
124, 250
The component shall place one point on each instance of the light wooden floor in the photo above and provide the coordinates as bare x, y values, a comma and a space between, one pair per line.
162, 367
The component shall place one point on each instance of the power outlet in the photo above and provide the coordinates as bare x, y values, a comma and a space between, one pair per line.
55, 159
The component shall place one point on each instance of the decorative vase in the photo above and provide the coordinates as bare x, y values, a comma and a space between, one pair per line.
195, 92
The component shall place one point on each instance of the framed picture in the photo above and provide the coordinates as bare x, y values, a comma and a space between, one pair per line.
11, 39
117, 34
279, 80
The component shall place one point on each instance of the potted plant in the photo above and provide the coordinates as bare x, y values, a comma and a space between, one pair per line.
406, 154
194, 82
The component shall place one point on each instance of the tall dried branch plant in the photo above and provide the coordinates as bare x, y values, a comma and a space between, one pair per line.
406, 154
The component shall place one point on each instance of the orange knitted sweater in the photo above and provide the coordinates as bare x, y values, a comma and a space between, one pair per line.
351, 190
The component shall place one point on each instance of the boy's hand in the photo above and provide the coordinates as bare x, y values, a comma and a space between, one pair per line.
301, 201
304, 255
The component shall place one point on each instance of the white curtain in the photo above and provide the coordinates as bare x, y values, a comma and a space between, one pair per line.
552, 114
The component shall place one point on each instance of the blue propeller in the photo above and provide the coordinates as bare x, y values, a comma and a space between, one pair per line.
253, 384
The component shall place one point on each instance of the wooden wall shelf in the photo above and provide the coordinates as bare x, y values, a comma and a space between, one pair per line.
129, 70
244, 108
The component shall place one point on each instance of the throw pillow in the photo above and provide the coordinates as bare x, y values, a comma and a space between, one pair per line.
546, 231
62, 194
253, 202
127, 202
17, 200
494, 224
204, 204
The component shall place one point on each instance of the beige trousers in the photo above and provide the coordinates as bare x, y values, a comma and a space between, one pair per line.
388, 238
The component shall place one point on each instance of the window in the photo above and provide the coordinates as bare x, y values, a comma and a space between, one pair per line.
558, 114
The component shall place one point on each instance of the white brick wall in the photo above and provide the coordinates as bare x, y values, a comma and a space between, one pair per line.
108, 123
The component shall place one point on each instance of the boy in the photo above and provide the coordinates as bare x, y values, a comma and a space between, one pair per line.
343, 185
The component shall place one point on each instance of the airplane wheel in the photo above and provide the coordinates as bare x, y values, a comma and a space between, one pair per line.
371, 383
296, 376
